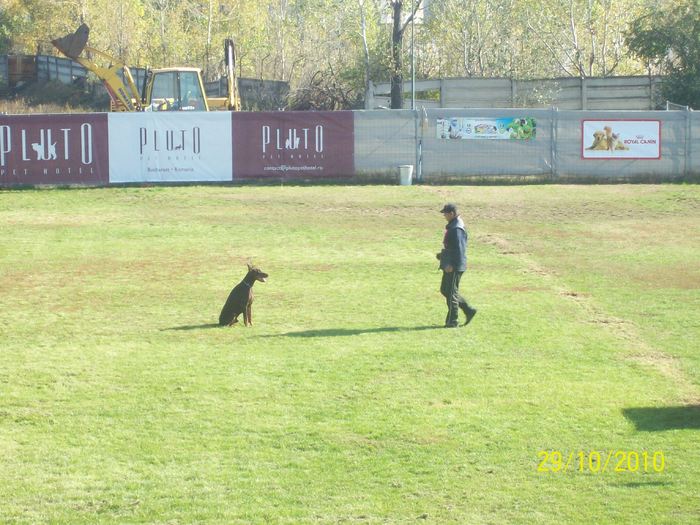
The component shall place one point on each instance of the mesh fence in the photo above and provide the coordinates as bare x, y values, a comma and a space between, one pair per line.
539, 142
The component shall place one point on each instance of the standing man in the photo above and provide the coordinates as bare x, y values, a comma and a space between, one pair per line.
453, 263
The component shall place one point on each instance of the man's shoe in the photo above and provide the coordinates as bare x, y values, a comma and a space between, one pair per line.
452, 325
471, 312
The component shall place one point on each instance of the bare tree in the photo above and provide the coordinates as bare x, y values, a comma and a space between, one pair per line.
365, 46
398, 28
583, 38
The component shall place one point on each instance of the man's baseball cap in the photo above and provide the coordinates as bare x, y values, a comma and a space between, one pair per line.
449, 208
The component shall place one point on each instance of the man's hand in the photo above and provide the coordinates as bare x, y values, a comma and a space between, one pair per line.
448, 268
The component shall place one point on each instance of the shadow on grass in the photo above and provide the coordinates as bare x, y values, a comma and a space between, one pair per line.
192, 327
341, 332
656, 419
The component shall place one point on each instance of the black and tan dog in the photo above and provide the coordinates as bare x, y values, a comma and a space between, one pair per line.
241, 298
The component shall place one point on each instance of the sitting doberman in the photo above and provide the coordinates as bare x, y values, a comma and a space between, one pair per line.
241, 298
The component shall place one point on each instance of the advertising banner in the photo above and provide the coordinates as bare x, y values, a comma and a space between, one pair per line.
53, 149
621, 139
286, 144
518, 128
170, 147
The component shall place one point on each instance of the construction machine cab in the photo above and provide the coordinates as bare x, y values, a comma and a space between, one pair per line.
175, 89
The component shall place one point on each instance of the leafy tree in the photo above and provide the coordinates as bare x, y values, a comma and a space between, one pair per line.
471, 38
30, 24
244, 21
668, 37
528, 39
9, 24
116, 27
329, 50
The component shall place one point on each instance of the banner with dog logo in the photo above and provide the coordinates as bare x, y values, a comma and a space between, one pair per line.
287, 144
518, 128
621, 139
54, 149
170, 147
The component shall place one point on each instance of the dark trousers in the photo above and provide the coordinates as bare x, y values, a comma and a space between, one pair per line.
449, 287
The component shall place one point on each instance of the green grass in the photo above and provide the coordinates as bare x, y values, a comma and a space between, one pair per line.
346, 402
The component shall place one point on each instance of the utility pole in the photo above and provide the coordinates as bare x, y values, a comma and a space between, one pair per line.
413, 57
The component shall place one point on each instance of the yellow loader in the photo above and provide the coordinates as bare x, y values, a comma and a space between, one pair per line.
166, 89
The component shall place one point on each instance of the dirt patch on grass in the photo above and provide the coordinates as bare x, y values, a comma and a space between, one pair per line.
519, 289
575, 295
47, 221
503, 246
323, 267
619, 328
682, 277
579, 203
670, 367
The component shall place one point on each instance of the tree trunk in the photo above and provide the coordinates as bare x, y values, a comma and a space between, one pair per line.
396, 57
365, 48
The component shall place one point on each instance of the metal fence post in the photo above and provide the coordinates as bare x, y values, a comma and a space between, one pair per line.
688, 141
420, 122
423, 127
554, 114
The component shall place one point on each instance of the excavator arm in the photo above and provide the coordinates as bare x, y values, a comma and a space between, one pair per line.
232, 101
125, 97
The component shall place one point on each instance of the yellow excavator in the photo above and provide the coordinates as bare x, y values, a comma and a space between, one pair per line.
167, 89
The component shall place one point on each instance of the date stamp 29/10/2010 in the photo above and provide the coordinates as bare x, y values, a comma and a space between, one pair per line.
601, 461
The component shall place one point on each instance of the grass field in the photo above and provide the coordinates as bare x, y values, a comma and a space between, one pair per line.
121, 401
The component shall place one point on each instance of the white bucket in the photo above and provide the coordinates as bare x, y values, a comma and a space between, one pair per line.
406, 174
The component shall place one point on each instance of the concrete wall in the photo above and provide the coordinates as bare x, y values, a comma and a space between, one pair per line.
619, 93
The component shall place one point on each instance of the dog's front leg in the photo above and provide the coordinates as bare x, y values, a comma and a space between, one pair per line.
248, 315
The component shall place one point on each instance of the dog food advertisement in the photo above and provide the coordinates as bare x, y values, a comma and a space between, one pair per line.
621, 139
283, 144
519, 128
170, 147
54, 149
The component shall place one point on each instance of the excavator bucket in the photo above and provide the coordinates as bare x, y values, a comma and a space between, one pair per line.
73, 44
